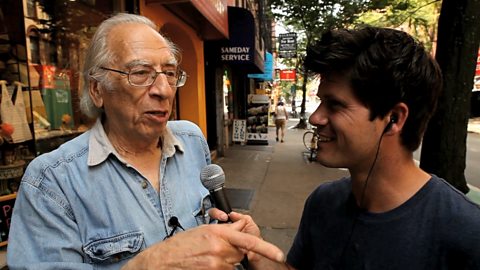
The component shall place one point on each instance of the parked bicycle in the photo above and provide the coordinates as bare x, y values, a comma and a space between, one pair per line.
310, 139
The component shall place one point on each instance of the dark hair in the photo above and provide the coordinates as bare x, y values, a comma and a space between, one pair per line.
384, 67
280, 103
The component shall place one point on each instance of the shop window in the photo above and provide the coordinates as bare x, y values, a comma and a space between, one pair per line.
32, 8
34, 47
46, 83
52, 53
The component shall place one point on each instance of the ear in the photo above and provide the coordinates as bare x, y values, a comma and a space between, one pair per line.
95, 93
397, 117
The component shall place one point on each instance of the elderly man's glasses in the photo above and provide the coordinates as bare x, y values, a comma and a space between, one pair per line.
145, 76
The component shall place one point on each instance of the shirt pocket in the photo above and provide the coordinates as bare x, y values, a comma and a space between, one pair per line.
201, 213
114, 248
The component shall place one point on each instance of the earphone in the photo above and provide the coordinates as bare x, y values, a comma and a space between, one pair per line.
393, 120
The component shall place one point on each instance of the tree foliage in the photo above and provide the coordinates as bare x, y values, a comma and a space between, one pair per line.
417, 17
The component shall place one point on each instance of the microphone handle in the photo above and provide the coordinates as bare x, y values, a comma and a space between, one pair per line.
221, 202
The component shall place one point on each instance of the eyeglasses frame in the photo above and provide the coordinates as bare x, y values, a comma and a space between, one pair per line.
181, 74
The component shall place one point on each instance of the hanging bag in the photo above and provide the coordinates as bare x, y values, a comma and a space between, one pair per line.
15, 114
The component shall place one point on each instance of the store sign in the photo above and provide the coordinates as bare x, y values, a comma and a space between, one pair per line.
6, 209
287, 54
239, 130
236, 54
241, 48
287, 45
287, 75
287, 42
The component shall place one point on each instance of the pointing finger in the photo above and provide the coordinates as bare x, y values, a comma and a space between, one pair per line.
257, 245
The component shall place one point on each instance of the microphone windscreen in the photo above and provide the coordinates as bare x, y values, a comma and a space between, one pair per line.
212, 176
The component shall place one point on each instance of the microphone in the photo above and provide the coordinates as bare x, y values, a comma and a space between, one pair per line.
213, 178
175, 225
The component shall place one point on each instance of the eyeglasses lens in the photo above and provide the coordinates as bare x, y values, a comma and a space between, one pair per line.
145, 76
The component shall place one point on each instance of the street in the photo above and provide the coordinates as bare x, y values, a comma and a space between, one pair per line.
472, 170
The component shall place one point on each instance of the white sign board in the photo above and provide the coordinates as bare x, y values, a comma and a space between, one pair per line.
239, 130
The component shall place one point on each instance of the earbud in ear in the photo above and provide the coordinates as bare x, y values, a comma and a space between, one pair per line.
393, 120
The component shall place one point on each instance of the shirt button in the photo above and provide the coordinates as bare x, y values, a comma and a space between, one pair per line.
144, 184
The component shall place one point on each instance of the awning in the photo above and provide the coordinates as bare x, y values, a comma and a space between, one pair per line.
241, 50
208, 17
267, 75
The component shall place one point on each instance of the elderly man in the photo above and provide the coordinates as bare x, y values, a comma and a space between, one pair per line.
110, 197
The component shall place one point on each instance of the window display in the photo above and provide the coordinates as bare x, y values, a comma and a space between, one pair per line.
41, 54
257, 119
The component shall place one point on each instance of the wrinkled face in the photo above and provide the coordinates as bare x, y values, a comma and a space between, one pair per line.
348, 139
132, 112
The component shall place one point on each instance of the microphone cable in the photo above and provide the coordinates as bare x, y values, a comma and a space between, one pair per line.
362, 198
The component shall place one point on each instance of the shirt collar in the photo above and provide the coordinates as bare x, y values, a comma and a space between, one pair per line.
100, 147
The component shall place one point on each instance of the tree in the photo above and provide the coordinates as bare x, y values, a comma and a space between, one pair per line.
444, 144
417, 17
311, 18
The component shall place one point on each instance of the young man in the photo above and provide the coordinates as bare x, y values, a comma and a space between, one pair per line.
378, 89
110, 198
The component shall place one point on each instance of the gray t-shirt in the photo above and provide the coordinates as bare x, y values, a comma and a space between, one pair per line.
438, 228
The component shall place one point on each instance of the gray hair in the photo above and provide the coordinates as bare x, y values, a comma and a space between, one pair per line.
98, 55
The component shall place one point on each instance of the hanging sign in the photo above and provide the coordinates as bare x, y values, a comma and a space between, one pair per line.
287, 45
287, 75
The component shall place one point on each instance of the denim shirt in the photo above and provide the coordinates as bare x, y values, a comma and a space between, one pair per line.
82, 206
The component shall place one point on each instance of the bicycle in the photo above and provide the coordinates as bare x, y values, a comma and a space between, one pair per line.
310, 139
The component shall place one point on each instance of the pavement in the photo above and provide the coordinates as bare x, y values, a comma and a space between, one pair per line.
271, 182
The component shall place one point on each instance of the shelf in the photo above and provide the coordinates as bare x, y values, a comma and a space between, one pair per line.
8, 197
12, 170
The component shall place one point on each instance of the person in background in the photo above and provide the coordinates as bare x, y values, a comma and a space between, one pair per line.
378, 90
281, 117
121, 194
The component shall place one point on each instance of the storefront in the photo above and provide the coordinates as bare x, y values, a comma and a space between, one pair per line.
228, 63
42, 46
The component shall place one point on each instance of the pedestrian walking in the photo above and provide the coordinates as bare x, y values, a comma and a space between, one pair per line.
281, 117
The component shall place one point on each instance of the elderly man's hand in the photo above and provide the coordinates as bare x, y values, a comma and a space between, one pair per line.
218, 246
250, 226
